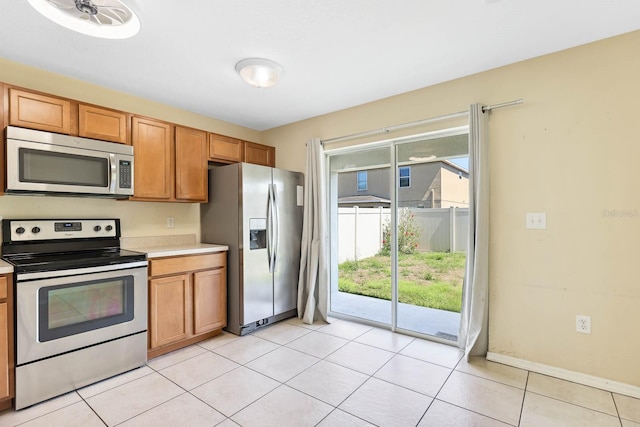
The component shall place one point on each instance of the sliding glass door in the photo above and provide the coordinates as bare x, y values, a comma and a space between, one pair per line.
398, 213
359, 203
432, 195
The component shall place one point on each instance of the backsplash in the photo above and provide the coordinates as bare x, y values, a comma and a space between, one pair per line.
156, 241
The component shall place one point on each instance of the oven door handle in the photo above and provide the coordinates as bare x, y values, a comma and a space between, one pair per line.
76, 271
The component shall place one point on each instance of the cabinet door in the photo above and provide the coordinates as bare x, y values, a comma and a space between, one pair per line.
34, 111
259, 154
209, 300
225, 149
191, 165
153, 151
169, 309
101, 123
4, 351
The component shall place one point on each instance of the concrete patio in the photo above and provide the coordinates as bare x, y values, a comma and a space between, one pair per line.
428, 321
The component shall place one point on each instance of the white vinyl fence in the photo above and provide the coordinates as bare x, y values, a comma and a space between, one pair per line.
360, 230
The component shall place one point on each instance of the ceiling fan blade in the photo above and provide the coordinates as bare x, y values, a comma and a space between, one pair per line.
111, 16
61, 4
115, 9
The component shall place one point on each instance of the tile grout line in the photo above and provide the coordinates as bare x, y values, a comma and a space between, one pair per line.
441, 387
92, 410
574, 404
461, 407
524, 396
615, 405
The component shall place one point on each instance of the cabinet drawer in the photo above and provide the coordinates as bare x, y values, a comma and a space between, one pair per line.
181, 264
3, 287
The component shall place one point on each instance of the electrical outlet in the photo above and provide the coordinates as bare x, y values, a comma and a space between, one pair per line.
583, 324
170, 222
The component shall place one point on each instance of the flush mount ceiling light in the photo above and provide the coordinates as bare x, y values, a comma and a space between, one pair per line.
259, 72
108, 19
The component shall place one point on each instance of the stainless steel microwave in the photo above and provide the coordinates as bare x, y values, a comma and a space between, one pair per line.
48, 163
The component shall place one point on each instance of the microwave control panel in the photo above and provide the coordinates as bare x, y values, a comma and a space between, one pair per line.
125, 174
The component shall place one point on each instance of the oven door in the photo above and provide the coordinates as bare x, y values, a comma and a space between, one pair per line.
57, 315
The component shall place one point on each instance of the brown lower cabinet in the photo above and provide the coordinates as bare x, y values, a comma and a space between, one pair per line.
187, 300
6, 342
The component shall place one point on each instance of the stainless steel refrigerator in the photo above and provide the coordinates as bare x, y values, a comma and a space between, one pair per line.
257, 212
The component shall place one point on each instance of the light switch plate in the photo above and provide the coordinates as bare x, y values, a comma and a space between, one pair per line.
537, 220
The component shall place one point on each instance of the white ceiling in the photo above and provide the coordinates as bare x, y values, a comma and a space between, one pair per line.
335, 53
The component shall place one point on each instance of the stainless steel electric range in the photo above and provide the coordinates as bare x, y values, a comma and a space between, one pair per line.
80, 301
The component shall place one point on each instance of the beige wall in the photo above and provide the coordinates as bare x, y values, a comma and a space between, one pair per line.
571, 151
138, 218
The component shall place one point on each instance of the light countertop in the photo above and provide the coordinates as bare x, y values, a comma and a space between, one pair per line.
177, 250
5, 267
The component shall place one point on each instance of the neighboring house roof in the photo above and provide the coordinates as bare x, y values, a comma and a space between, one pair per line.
460, 168
362, 200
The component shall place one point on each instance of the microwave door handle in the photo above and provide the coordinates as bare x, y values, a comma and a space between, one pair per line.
113, 176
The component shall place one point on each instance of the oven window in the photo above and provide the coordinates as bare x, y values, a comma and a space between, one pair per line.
47, 167
80, 307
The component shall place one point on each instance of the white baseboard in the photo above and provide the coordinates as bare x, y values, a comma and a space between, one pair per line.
564, 374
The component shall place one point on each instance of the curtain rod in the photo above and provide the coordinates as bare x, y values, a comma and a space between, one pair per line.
417, 123
486, 108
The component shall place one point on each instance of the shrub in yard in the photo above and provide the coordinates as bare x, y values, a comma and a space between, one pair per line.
408, 234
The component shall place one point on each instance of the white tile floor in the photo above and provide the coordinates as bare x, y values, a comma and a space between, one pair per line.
343, 374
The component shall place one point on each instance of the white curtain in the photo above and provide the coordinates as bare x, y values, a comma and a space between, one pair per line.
313, 283
473, 336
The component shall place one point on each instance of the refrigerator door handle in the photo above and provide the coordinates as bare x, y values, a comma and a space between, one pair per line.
270, 230
276, 231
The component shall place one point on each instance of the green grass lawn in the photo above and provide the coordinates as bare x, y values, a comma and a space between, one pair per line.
427, 279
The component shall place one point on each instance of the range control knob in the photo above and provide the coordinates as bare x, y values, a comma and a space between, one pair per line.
109, 227
20, 230
97, 228
35, 230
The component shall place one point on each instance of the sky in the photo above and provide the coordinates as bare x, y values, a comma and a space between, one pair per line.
461, 161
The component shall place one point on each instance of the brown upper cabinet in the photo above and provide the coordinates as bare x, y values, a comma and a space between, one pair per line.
171, 162
225, 149
191, 165
259, 154
153, 150
102, 123
39, 111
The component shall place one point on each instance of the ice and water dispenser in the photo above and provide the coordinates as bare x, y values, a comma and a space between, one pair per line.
257, 233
